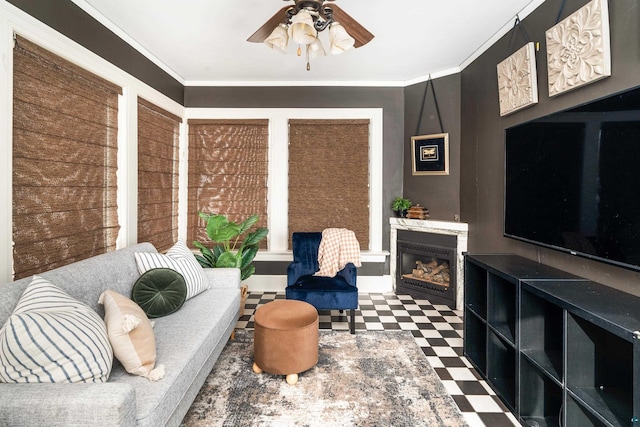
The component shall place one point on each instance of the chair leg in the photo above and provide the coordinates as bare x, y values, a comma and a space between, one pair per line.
352, 327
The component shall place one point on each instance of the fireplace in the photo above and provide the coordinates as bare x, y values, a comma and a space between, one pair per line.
427, 259
425, 266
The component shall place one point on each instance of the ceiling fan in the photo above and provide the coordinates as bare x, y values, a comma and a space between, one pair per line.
302, 22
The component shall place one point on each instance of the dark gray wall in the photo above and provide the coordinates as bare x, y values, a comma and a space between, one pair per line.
439, 193
391, 100
482, 161
68, 19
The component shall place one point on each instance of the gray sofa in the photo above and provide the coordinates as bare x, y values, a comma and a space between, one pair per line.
188, 343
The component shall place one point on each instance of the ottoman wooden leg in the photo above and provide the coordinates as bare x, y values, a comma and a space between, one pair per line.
256, 368
292, 379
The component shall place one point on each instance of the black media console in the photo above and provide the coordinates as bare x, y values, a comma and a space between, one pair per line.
558, 350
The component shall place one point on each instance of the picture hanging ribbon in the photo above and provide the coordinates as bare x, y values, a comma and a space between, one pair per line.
435, 100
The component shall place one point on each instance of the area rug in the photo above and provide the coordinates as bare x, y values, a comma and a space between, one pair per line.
367, 379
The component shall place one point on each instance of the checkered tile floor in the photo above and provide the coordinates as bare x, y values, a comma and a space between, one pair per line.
437, 330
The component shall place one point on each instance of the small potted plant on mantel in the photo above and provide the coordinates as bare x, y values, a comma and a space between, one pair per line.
400, 206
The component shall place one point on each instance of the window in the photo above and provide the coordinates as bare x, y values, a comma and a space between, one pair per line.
228, 171
64, 161
158, 145
329, 176
279, 151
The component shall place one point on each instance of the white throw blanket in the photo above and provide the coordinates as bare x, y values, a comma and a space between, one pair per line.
338, 247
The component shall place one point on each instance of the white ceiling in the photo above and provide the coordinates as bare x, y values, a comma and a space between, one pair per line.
202, 42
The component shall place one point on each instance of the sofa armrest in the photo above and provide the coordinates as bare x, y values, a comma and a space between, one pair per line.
104, 404
222, 277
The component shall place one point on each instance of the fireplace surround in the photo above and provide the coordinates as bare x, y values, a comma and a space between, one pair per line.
424, 266
423, 254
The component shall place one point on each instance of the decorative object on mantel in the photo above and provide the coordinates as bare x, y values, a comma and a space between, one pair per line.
578, 48
418, 212
400, 205
303, 22
517, 76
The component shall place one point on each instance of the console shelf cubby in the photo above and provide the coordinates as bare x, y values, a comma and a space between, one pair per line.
542, 333
541, 398
502, 300
558, 350
501, 368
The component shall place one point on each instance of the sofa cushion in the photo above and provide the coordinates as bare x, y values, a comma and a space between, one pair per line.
178, 258
51, 337
131, 335
159, 292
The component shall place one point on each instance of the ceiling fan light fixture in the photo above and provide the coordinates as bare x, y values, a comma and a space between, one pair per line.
315, 49
303, 22
302, 30
340, 40
278, 39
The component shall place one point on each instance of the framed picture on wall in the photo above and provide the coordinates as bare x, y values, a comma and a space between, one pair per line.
430, 154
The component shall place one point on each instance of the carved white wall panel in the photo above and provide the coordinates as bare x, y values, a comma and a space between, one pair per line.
518, 81
578, 48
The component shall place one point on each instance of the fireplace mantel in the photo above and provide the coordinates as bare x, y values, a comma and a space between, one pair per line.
458, 229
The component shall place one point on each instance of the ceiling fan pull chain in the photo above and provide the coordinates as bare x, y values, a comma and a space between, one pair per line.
299, 51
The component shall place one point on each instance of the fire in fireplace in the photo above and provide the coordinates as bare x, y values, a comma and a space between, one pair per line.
423, 266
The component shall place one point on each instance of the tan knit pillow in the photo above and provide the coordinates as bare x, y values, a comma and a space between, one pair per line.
131, 335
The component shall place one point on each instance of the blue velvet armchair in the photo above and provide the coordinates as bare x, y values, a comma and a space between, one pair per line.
324, 293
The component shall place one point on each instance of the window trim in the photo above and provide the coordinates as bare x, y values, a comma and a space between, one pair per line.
278, 176
15, 21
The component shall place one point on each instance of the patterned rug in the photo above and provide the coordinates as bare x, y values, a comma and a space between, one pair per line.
367, 379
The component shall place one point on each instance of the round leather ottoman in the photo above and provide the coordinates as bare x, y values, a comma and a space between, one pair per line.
286, 338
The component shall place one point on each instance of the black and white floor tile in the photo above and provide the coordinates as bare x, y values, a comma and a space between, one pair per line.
438, 331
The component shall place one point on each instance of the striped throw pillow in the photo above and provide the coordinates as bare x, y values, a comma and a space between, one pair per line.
52, 338
179, 258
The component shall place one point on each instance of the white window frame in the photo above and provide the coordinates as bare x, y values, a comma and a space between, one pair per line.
278, 175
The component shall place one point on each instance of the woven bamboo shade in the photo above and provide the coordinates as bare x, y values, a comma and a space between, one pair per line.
228, 172
158, 157
329, 176
64, 161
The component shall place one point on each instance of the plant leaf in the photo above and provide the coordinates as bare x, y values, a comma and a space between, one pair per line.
246, 272
204, 216
247, 256
248, 223
204, 262
255, 237
217, 251
207, 258
227, 260
221, 230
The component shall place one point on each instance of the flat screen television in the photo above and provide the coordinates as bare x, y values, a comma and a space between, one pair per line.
572, 180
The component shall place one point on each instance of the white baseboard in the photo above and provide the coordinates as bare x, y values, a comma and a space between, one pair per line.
366, 284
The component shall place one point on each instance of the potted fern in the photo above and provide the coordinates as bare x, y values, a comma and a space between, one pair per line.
234, 245
400, 206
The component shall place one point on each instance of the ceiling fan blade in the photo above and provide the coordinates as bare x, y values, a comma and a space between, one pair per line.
265, 31
355, 30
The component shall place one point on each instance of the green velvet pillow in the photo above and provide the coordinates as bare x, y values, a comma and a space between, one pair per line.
159, 292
